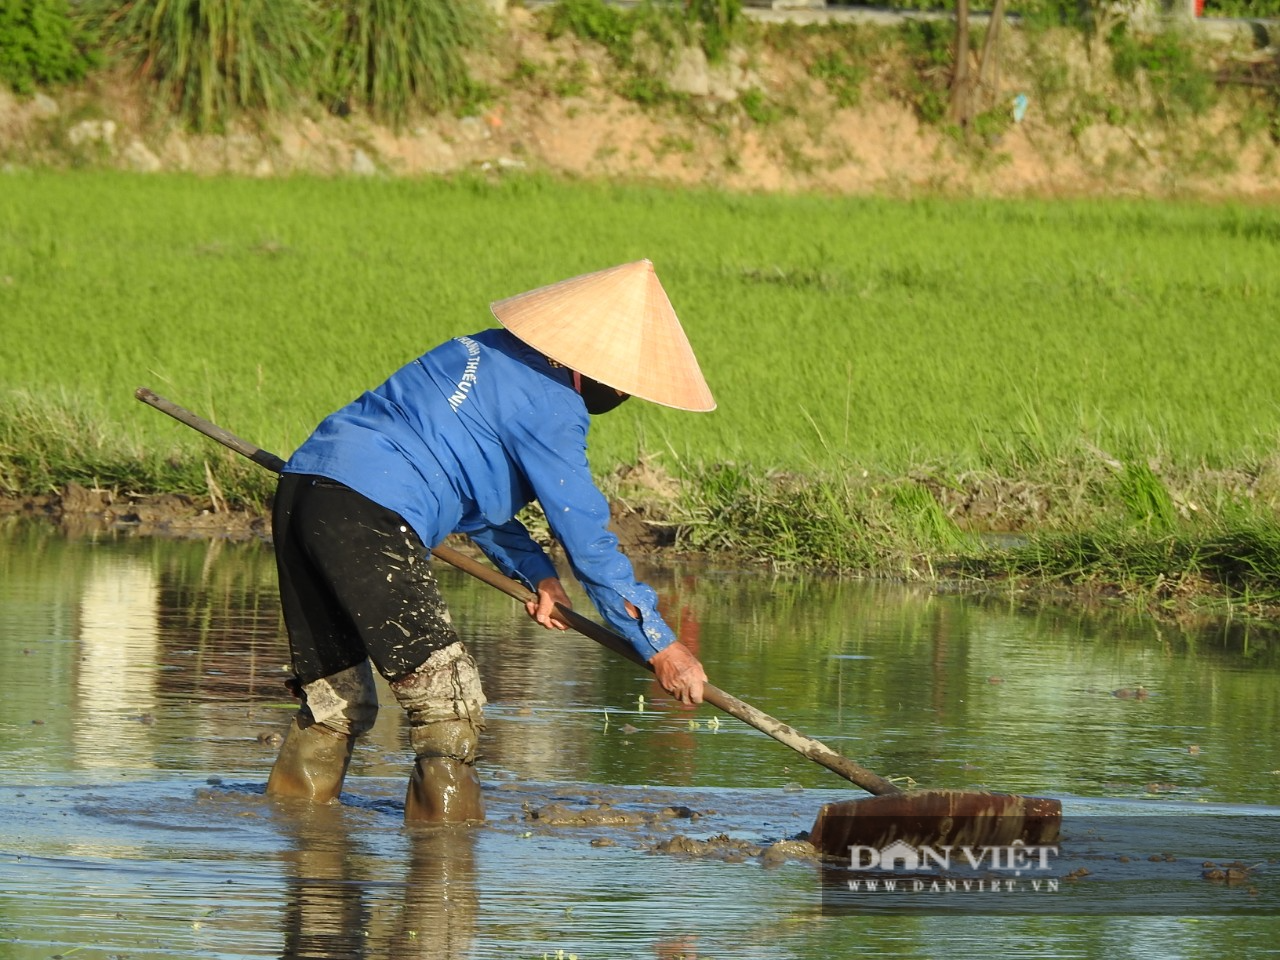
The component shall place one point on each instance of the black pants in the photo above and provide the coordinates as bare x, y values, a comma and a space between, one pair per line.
355, 581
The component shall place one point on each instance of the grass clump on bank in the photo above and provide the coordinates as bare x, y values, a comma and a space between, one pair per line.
1220, 561
1226, 566
837, 523
48, 442
712, 25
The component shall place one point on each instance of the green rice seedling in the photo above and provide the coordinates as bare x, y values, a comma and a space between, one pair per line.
923, 520
395, 56
1146, 499
971, 334
211, 59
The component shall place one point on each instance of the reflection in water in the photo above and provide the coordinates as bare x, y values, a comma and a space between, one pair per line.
441, 904
336, 911
952, 690
119, 637
325, 913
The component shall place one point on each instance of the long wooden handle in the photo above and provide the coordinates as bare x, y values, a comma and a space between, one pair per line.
805, 746
815, 750
211, 430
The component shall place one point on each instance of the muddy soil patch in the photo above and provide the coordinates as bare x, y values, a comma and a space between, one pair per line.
645, 821
81, 510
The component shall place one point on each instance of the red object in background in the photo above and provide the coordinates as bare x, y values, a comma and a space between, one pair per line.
1199, 8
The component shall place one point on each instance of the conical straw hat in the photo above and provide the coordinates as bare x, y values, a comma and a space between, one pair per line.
616, 326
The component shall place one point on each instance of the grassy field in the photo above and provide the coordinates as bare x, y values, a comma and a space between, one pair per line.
842, 337
833, 331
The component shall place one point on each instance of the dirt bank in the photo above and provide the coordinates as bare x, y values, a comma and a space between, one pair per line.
786, 112
79, 510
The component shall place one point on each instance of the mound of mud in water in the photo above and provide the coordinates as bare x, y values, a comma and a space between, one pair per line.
647, 822
605, 815
731, 850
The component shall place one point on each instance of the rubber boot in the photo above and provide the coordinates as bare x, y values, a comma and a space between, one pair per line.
443, 790
312, 764
445, 707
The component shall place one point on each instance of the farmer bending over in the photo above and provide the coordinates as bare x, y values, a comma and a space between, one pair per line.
459, 440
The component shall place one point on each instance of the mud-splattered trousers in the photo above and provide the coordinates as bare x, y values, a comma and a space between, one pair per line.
356, 587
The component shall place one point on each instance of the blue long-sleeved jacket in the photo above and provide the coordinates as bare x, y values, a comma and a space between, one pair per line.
461, 439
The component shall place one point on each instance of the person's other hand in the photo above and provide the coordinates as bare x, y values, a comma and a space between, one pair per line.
680, 673
543, 608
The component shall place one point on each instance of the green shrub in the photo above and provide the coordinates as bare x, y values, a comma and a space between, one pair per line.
759, 108
395, 55
990, 125
711, 24
929, 45
594, 20
39, 45
716, 22
210, 59
1169, 62
842, 76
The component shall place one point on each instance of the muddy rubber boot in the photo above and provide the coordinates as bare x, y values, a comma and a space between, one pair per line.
445, 708
312, 764
442, 790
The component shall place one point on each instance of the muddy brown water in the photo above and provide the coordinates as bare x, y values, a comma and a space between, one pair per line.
142, 692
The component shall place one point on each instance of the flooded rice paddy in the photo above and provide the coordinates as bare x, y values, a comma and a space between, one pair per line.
142, 698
